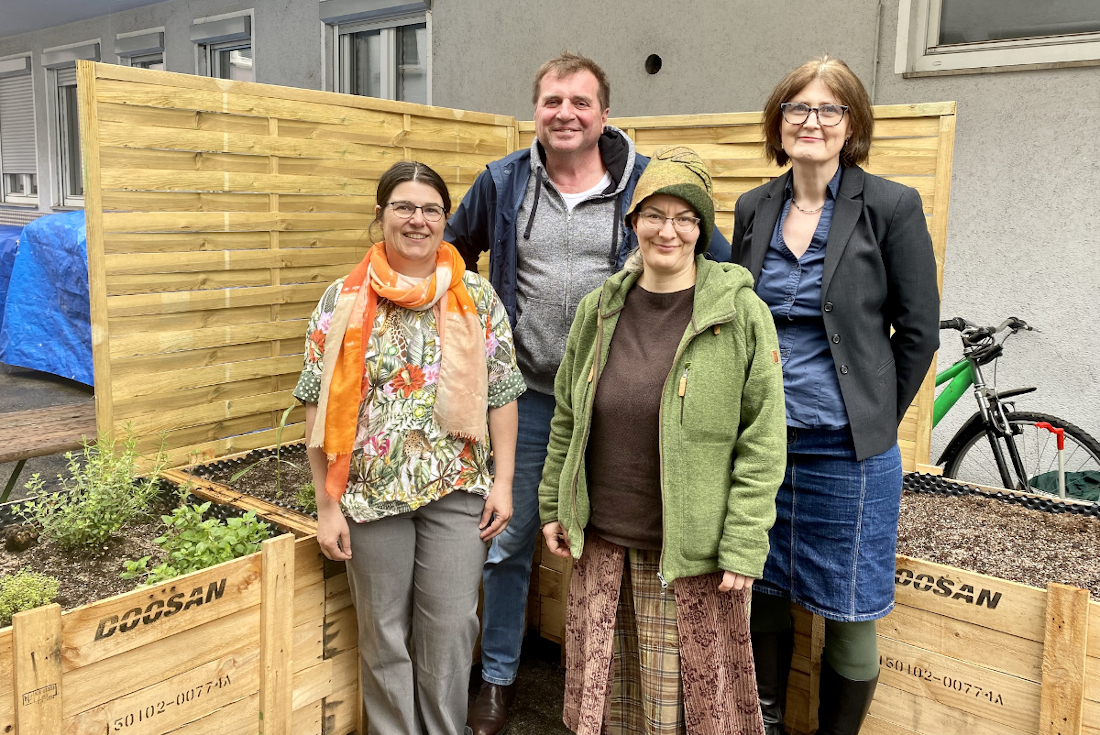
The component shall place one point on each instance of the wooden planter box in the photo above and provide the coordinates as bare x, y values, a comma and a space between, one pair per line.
961, 654
262, 644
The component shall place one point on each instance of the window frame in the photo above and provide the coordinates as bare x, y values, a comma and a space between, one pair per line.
55, 60
58, 119
23, 200
129, 60
338, 56
213, 55
918, 53
206, 54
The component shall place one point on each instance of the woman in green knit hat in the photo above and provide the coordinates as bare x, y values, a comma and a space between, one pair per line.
666, 451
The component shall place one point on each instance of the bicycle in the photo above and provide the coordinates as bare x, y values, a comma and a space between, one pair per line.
1018, 454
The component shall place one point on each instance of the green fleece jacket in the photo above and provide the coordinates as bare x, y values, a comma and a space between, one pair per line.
722, 425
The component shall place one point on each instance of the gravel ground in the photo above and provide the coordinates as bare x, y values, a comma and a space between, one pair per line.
1001, 539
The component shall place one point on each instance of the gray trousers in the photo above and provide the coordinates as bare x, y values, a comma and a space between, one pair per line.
414, 578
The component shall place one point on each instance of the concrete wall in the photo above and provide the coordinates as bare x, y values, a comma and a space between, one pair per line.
1022, 237
719, 55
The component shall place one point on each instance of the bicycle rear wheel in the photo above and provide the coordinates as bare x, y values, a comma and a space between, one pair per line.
973, 460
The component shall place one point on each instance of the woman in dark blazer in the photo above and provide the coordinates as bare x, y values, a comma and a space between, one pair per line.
844, 262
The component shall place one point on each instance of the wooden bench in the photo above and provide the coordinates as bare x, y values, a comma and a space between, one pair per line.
40, 432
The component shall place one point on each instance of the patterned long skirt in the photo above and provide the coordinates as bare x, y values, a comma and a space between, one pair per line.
645, 660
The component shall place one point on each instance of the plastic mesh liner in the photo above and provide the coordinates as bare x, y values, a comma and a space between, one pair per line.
936, 485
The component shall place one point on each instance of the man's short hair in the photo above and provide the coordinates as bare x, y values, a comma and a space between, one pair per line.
566, 64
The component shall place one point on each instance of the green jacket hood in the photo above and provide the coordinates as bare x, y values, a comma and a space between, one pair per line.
716, 289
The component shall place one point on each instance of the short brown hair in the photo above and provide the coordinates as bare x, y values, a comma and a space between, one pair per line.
567, 64
849, 91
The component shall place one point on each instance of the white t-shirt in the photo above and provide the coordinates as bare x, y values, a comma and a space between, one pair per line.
572, 200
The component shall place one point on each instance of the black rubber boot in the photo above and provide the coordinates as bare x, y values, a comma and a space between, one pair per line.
771, 653
843, 703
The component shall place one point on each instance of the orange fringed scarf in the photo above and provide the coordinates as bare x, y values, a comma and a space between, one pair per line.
461, 401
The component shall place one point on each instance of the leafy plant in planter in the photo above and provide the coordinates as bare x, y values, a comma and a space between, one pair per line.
193, 543
25, 590
306, 498
279, 461
101, 493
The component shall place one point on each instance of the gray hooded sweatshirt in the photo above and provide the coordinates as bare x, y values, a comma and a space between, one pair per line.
561, 256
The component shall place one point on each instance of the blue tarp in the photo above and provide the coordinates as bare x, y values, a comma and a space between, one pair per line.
46, 324
9, 241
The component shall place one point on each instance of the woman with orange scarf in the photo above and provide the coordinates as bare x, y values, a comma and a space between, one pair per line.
409, 370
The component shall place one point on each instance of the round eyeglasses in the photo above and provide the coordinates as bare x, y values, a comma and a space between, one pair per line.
405, 210
655, 221
796, 113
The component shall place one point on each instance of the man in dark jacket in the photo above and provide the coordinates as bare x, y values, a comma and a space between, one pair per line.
551, 217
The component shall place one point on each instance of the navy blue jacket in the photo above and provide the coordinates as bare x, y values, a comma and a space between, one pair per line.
486, 220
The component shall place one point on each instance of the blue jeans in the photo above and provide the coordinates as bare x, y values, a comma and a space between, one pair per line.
507, 572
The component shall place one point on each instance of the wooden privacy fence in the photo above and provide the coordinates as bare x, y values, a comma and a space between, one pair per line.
218, 212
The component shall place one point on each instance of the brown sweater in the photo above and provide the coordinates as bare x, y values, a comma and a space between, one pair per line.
623, 458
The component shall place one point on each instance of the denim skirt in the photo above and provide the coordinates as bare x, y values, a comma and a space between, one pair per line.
834, 541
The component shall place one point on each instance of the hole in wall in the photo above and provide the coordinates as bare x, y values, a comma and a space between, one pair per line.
653, 64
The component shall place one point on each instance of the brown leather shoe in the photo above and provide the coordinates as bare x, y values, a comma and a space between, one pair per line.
488, 715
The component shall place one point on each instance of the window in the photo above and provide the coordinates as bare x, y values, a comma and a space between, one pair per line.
64, 117
231, 62
379, 49
68, 136
968, 36
391, 63
18, 163
142, 49
148, 61
225, 47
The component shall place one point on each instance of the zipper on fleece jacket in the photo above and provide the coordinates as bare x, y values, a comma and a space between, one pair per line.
699, 329
683, 390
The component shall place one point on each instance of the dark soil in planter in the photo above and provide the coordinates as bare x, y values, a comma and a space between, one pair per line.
261, 481
91, 574
989, 536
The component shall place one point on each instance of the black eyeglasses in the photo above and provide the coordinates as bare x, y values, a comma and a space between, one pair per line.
405, 210
797, 113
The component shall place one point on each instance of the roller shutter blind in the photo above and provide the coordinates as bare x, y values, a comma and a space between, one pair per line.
17, 154
66, 76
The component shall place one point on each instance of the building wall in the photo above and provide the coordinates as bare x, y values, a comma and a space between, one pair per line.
286, 40
1022, 238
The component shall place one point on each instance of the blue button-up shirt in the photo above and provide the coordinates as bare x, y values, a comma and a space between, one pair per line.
791, 287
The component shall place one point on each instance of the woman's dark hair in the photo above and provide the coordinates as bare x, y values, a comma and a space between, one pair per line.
842, 82
401, 172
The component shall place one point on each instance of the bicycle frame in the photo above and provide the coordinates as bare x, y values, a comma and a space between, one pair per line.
961, 375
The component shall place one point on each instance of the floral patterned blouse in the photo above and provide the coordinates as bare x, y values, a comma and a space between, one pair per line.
402, 460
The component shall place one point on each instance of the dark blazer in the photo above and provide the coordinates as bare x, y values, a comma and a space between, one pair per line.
880, 273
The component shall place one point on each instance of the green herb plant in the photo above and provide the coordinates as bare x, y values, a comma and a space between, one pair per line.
193, 543
100, 494
25, 590
277, 457
306, 498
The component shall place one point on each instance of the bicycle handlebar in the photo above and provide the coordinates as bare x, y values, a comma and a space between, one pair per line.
977, 333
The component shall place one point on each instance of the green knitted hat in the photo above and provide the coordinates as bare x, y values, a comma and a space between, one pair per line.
680, 172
